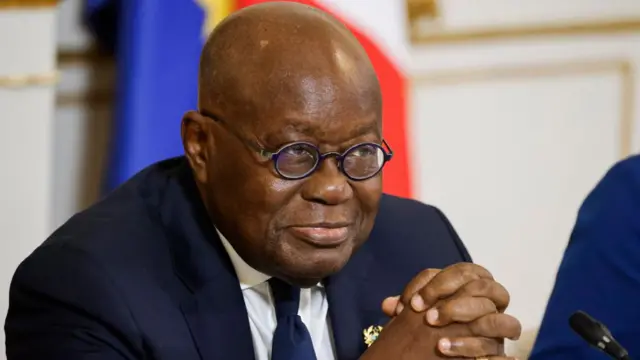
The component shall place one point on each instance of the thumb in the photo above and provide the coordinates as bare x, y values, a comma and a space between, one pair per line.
389, 305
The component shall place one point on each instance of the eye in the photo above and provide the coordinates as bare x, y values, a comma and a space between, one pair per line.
298, 150
364, 150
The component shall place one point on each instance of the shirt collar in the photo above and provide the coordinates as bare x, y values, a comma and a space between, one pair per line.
248, 276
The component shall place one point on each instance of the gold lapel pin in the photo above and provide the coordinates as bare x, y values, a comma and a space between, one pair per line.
371, 334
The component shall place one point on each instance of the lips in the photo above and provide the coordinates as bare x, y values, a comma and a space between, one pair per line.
322, 235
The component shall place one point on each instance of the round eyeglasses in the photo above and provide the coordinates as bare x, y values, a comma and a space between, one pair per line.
300, 159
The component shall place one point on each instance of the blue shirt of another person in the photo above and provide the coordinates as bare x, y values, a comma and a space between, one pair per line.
600, 271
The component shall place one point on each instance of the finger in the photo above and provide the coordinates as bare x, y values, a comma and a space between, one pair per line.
497, 326
390, 304
489, 289
446, 283
462, 309
471, 347
418, 282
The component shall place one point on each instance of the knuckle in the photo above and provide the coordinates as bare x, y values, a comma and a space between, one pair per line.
431, 272
466, 269
477, 270
465, 309
430, 293
473, 271
451, 310
483, 272
494, 322
420, 281
490, 289
507, 297
487, 306
478, 287
484, 326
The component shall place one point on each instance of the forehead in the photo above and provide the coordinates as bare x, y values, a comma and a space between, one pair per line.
320, 110
324, 87
328, 106
335, 130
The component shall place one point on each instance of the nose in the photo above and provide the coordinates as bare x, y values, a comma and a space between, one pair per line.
327, 185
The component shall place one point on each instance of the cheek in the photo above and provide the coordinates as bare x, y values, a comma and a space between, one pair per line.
368, 193
271, 194
257, 194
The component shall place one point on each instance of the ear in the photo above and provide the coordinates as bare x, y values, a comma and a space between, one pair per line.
197, 142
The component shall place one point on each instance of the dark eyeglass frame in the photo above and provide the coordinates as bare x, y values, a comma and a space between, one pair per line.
340, 157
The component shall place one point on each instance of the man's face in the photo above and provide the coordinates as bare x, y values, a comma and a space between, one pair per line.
300, 230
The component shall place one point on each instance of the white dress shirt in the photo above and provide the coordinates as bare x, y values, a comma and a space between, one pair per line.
262, 315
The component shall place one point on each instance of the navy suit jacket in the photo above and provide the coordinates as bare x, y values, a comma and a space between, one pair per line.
143, 275
600, 271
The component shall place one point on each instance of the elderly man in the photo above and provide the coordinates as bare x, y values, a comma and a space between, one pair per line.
270, 238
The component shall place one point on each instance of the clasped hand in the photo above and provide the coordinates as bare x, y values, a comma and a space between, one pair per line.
457, 312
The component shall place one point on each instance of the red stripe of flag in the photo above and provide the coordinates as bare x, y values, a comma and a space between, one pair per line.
393, 83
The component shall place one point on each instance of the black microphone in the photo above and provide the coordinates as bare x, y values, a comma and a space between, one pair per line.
597, 335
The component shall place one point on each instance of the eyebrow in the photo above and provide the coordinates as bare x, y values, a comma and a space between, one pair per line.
305, 129
367, 129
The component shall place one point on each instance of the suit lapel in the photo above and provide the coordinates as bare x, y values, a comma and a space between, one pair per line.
214, 307
354, 305
217, 318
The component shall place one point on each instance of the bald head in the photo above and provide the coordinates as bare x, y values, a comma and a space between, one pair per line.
297, 121
283, 53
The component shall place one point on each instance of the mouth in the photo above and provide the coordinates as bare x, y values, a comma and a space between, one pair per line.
322, 235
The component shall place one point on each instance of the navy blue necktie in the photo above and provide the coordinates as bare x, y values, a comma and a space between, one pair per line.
291, 340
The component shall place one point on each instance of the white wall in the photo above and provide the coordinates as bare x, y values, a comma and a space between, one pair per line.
511, 141
25, 140
512, 135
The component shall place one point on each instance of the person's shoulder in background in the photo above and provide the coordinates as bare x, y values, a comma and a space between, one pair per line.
600, 270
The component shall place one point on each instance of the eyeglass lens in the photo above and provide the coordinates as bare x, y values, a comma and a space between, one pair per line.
359, 162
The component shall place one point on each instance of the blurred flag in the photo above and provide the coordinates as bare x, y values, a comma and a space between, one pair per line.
157, 46
158, 43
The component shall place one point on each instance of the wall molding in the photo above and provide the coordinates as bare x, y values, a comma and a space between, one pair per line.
622, 67
585, 28
29, 80
5, 4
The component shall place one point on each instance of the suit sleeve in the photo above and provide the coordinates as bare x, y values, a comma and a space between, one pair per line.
462, 250
600, 271
62, 305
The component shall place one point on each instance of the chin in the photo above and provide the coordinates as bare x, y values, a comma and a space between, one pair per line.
311, 268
